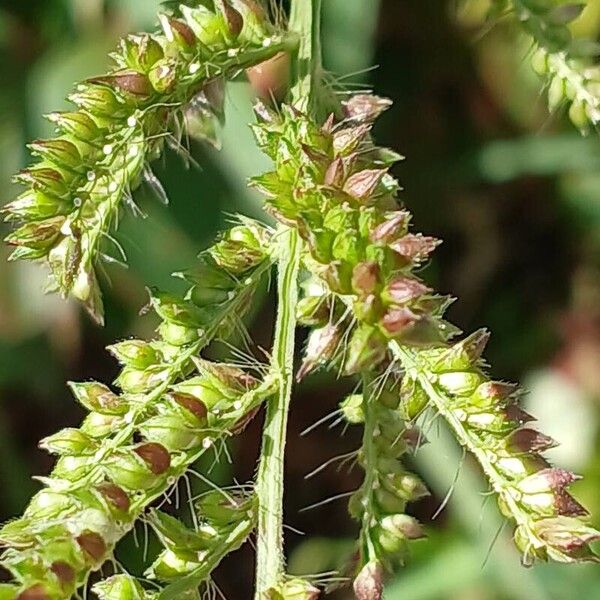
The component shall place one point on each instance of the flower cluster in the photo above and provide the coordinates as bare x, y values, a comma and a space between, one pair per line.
133, 446
122, 122
334, 186
487, 421
567, 63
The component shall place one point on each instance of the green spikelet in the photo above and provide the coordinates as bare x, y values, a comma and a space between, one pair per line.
380, 503
121, 122
191, 555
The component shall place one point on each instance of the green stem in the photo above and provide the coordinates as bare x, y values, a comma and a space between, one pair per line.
270, 559
305, 19
270, 565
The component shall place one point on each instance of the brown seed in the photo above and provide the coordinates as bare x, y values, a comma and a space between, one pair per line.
271, 78
192, 404
322, 345
567, 506
362, 185
115, 495
414, 438
346, 141
391, 228
35, 592
184, 30
92, 544
335, 173
365, 277
415, 246
134, 83
155, 456
530, 440
496, 391
397, 320
40, 175
405, 525
566, 534
131, 82
64, 571
365, 107
327, 127
235, 21
518, 415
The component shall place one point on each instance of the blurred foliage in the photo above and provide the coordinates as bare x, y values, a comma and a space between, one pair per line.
514, 194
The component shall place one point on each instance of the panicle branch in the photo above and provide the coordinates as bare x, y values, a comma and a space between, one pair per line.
121, 123
134, 445
568, 64
486, 419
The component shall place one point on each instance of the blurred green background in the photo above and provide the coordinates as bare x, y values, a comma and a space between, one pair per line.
514, 193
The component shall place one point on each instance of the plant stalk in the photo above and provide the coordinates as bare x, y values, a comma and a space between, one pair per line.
270, 557
270, 565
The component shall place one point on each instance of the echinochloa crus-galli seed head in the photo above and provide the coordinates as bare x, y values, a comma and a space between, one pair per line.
348, 264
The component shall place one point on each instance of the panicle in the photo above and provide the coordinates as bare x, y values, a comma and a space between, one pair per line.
566, 63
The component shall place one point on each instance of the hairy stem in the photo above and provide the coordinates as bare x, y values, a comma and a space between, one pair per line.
270, 559
305, 19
